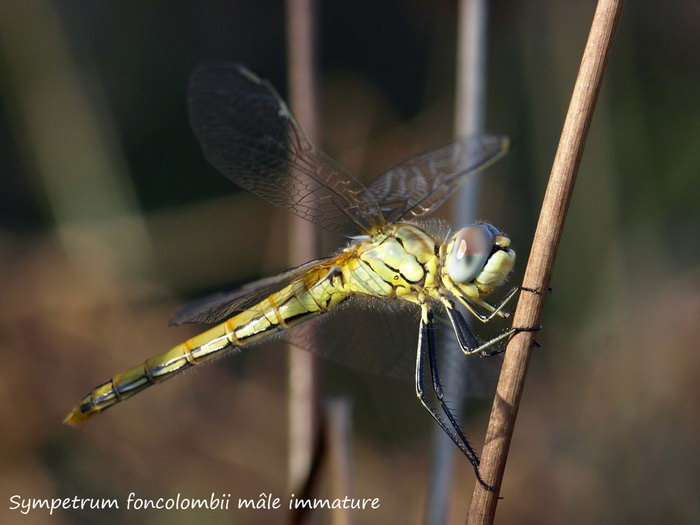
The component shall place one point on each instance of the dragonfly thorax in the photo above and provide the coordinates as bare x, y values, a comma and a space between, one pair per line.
407, 262
396, 263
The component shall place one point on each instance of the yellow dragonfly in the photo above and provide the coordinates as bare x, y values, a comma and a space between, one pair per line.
249, 135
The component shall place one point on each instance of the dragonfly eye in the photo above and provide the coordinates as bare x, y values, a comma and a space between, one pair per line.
471, 249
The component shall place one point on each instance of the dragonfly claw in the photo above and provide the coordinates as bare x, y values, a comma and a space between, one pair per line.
537, 328
528, 329
533, 290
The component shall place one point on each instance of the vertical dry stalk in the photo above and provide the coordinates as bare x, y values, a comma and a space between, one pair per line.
547, 235
303, 405
66, 128
338, 419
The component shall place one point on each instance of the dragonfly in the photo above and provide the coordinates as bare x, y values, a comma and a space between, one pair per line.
249, 135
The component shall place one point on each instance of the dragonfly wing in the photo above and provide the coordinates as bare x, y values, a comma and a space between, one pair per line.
219, 306
250, 136
380, 338
366, 334
418, 186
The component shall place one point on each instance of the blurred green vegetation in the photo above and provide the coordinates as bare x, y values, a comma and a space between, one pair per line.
110, 216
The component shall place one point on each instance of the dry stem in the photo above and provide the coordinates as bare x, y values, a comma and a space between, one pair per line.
303, 382
547, 235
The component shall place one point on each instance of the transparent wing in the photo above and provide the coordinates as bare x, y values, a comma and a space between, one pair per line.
249, 135
219, 306
418, 186
368, 334
380, 338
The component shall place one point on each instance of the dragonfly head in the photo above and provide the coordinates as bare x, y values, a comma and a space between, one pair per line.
478, 258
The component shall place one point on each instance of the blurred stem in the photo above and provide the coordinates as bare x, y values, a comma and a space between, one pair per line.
303, 383
547, 236
69, 138
469, 120
338, 418
470, 94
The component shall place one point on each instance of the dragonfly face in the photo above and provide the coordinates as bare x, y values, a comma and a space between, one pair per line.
478, 260
250, 136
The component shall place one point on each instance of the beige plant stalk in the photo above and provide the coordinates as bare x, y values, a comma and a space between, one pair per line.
539, 267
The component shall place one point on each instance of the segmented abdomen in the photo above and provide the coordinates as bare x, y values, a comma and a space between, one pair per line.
301, 300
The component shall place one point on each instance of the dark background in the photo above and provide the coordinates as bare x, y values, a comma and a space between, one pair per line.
110, 217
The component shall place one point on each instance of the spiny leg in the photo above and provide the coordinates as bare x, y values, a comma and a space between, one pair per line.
495, 310
465, 337
426, 341
514, 330
437, 385
439, 394
509, 333
469, 343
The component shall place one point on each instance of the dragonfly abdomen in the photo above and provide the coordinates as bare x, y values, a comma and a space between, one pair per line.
154, 370
297, 302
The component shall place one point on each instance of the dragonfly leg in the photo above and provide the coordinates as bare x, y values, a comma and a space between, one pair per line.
426, 342
509, 333
469, 343
465, 336
533, 290
494, 311
498, 310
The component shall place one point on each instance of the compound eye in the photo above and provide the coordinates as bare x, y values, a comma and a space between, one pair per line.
470, 251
